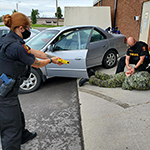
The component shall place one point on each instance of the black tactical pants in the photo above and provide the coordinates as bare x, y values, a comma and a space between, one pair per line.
12, 123
122, 64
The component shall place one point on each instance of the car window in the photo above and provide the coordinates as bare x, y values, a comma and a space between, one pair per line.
97, 36
41, 39
2, 32
73, 40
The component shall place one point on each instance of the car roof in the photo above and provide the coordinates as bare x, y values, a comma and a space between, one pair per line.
4, 28
65, 28
71, 27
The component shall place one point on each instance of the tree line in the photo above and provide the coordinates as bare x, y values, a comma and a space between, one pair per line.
35, 14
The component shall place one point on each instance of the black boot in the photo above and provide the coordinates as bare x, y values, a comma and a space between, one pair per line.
82, 81
28, 136
91, 73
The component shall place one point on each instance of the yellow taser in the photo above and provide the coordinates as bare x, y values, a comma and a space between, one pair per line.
63, 61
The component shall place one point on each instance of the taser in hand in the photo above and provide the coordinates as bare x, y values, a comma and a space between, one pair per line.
63, 61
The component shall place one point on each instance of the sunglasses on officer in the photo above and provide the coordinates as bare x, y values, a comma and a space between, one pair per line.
28, 28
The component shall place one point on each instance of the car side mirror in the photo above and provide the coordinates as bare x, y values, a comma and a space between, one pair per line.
51, 47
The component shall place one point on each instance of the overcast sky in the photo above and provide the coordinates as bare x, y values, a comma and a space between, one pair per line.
47, 8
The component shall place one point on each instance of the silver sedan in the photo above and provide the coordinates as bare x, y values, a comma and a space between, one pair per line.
83, 46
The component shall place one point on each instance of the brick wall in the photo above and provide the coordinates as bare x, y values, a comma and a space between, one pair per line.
110, 3
126, 10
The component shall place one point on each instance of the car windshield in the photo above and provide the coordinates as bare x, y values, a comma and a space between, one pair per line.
35, 31
41, 39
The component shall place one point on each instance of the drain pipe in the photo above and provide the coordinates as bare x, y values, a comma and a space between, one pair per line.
100, 2
116, 1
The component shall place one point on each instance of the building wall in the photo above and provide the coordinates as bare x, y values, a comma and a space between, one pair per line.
125, 17
49, 21
88, 16
110, 3
126, 10
149, 37
145, 22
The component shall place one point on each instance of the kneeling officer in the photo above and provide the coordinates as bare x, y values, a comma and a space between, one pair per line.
15, 61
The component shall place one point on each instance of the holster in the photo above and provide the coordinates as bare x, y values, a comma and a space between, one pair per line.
20, 73
6, 88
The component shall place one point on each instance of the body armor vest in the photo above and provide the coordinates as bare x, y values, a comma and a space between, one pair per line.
12, 68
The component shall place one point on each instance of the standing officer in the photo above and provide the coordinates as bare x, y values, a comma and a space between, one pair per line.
15, 59
137, 54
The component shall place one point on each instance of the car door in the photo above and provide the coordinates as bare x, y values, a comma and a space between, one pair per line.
71, 47
76, 67
97, 46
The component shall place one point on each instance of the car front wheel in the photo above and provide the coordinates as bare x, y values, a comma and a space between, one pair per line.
32, 83
110, 59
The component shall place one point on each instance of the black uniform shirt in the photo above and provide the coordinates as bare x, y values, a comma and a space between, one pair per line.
19, 51
139, 49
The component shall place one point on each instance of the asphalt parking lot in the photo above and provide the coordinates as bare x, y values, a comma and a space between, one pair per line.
53, 113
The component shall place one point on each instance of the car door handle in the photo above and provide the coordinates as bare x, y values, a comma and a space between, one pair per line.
104, 45
78, 58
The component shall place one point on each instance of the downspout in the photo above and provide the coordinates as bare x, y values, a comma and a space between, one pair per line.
100, 2
116, 1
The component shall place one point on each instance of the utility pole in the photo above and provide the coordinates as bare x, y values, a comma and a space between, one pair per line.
17, 6
57, 11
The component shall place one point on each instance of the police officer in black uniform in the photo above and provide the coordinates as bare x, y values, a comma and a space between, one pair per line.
137, 54
15, 61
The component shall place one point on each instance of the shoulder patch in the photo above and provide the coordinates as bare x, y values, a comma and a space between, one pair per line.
144, 48
26, 48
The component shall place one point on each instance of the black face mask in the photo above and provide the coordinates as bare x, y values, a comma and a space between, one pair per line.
26, 34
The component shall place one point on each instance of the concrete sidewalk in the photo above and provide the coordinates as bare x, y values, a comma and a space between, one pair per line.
114, 119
